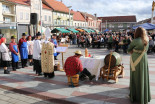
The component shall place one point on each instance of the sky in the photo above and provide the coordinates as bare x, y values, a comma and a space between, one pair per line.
141, 8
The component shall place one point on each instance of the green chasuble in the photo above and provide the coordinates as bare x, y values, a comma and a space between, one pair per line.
139, 79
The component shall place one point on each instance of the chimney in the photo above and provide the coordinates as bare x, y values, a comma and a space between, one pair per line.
61, 0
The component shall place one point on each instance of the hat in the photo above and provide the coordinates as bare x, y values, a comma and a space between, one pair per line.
38, 34
78, 52
13, 37
23, 34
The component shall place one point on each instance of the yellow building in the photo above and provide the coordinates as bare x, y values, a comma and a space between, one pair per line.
7, 19
62, 15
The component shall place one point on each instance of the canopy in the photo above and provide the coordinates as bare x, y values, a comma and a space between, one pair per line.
87, 30
62, 30
147, 26
106, 30
73, 30
91, 30
80, 30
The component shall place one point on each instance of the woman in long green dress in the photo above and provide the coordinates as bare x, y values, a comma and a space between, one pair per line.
139, 74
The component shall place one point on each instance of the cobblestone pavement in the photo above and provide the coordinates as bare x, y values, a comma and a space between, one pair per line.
24, 87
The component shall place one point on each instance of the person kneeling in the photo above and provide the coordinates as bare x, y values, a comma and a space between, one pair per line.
73, 67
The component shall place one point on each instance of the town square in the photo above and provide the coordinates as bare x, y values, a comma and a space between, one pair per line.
77, 52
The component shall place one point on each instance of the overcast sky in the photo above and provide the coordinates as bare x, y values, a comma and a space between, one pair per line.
140, 8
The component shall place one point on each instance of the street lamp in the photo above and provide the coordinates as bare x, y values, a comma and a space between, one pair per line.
102, 25
85, 19
41, 16
106, 24
69, 14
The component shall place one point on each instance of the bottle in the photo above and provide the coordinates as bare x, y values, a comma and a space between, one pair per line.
86, 52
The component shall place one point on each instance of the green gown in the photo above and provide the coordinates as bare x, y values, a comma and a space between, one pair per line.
139, 79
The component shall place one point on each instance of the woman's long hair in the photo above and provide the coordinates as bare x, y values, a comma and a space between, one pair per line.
141, 32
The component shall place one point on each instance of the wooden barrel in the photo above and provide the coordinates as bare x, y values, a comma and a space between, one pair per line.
116, 59
73, 80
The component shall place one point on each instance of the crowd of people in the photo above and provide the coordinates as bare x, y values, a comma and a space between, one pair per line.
116, 41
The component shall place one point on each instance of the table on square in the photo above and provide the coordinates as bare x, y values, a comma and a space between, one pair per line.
93, 65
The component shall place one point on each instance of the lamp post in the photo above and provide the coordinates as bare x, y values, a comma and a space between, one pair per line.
41, 16
69, 14
101, 25
106, 24
85, 19
153, 5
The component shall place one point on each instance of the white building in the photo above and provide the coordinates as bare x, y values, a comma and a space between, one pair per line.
79, 20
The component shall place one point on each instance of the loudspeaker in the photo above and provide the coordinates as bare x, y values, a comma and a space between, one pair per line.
34, 18
1, 35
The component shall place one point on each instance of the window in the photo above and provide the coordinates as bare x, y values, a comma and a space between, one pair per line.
61, 14
68, 23
49, 18
83, 25
78, 24
45, 18
71, 23
58, 14
21, 15
120, 25
62, 22
55, 22
55, 13
128, 25
27, 16
6, 19
58, 21
6, 9
65, 22
103, 25
75, 24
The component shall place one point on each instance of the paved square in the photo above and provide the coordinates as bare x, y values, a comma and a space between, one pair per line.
24, 87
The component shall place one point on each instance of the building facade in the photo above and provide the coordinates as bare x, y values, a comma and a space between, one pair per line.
7, 19
62, 15
79, 20
92, 21
118, 23
148, 20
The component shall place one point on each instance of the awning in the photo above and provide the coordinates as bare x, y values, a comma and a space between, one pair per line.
73, 30
87, 30
106, 30
62, 30
9, 27
92, 30
80, 30
147, 26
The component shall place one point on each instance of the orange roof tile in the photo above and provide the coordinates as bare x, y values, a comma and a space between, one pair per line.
119, 19
77, 16
23, 2
46, 7
58, 6
27, 2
